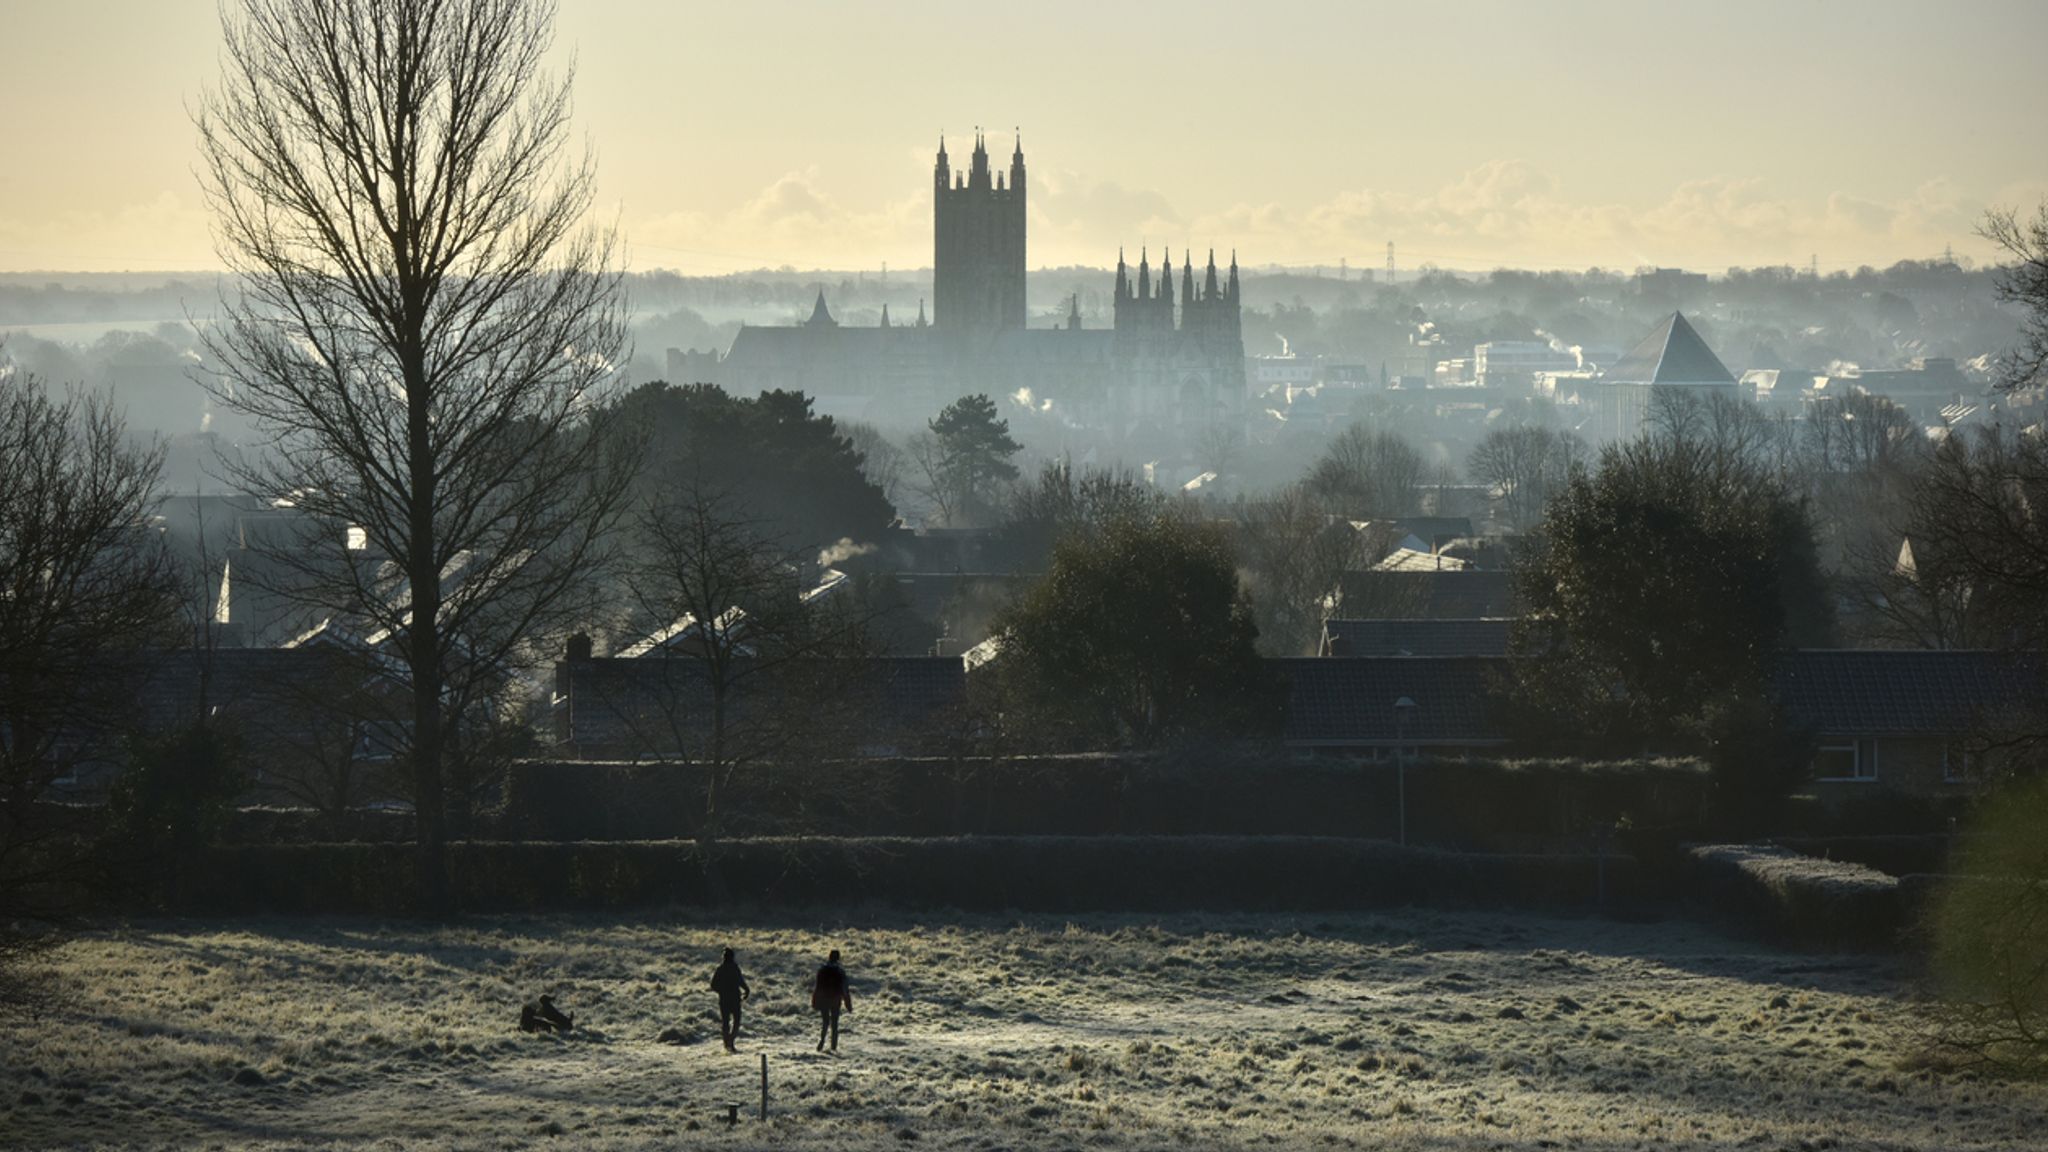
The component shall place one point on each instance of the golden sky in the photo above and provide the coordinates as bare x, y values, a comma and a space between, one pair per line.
1540, 133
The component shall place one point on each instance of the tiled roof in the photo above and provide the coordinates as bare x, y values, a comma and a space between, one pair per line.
1352, 702
1446, 595
1480, 637
1673, 353
1862, 692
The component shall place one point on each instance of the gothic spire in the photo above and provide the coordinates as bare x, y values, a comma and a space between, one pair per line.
1187, 284
1144, 275
1209, 291
920, 312
885, 314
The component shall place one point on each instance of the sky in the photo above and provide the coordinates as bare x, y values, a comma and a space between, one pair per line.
1471, 134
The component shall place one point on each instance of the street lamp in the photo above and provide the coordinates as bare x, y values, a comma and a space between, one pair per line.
1402, 707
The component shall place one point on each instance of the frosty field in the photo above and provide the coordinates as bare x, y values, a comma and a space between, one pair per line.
1413, 1030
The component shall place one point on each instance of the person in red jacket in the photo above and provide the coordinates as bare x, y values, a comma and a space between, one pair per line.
829, 994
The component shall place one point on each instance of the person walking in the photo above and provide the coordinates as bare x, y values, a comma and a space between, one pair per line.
731, 985
830, 994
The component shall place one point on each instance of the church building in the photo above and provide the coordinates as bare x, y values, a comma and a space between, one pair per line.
1158, 365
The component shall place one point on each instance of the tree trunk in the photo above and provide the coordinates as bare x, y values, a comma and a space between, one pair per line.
423, 572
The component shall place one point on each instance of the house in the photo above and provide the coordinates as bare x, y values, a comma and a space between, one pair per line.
1354, 639
661, 707
1907, 720
1911, 721
1376, 706
1465, 594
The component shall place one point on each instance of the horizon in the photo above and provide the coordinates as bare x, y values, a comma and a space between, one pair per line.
1749, 137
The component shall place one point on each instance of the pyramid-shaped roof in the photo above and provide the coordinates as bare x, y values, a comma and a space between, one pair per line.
820, 316
1672, 353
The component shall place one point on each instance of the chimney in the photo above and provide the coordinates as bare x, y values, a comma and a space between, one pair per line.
579, 647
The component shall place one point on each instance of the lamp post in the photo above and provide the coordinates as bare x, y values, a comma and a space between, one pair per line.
1402, 707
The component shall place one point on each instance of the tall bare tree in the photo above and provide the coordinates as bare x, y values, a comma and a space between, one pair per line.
426, 332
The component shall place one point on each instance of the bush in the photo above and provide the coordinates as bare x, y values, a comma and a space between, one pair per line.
1048, 873
1756, 758
1824, 903
175, 798
1991, 936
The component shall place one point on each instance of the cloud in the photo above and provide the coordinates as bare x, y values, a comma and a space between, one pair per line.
1098, 216
168, 232
1504, 212
791, 221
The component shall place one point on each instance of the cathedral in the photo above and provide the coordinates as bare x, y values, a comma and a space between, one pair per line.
1157, 366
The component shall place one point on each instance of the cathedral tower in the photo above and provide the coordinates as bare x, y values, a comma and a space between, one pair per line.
978, 247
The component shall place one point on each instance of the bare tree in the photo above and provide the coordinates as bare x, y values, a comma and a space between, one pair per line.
1295, 552
85, 587
1859, 432
1062, 500
2023, 282
426, 333
1369, 475
1524, 464
1721, 432
933, 483
741, 661
1978, 525
881, 461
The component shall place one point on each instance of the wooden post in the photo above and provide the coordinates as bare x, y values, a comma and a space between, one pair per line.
764, 1085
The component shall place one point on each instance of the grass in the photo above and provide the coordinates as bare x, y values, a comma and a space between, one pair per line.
1416, 1030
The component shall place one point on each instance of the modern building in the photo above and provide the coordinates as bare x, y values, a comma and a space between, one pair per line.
1516, 364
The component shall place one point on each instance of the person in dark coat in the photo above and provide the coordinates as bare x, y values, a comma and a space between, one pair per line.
731, 985
830, 994
544, 1017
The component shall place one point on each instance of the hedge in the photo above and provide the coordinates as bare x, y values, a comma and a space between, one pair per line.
988, 873
1801, 899
1898, 855
1477, 805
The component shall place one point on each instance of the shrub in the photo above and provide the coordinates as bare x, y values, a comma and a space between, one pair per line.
1828, 903
175, 798
1991, 936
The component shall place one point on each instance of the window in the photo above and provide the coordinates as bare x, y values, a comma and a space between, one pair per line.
1844, 758
1958, 763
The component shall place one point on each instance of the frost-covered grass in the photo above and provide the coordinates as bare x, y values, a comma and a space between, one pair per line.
1411, 1030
